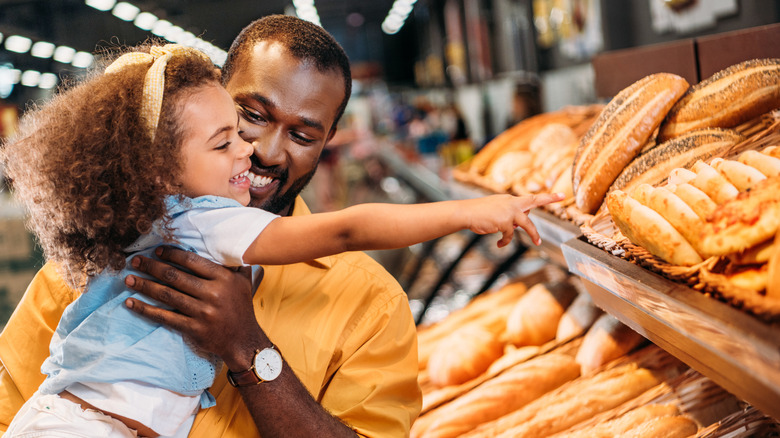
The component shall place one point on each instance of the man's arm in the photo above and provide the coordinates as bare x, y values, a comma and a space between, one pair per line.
214, 309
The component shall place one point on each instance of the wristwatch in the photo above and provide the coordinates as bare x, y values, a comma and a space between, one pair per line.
266, 366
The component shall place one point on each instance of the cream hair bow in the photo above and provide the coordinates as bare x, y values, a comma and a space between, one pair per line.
154, 82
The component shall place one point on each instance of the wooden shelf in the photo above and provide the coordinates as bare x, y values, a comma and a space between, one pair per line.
734, 349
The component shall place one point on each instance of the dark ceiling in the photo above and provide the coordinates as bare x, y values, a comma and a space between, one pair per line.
73, 23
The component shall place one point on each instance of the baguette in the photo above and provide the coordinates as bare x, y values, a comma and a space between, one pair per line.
571, 404
646, 228
622, 424
534, 319
608, 339
501, 395
618, 135
464, 355
654, 166
726, 99
678, 426
577, 318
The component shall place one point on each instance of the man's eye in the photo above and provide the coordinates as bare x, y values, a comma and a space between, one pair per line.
301, 139
251, 115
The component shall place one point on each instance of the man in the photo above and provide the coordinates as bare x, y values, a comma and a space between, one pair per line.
342, 324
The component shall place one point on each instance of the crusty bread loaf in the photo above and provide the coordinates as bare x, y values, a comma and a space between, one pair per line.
486, 310
616, 427
577, 318
463, 355
646, 228
505, 393
534, 319
727, 98
571, 404
619, 134
678, 426
743, 222
654, 166
608, 339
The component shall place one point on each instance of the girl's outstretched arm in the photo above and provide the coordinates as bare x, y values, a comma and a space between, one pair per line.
387, 226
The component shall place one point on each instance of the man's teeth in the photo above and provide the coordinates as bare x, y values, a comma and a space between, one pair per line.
259, 181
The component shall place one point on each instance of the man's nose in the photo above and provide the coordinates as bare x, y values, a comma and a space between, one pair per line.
269, 150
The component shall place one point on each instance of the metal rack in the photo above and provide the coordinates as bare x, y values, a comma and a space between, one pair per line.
734, 349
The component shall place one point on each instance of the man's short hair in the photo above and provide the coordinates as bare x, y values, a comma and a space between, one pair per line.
304, 40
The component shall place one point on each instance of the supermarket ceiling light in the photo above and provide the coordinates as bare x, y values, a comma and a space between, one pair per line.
397, 16
18, 44
101, 5
47, 81
145, 21
42, 49
64, 54
82, 59
306, 10
125, 11
31, 78
161, 28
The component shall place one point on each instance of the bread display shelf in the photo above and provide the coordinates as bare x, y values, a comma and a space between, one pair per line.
737, 351
553, 231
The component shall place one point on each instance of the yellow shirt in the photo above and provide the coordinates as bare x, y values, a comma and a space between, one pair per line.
342, 323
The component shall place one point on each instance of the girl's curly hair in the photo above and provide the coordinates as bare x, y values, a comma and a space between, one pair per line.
87, 170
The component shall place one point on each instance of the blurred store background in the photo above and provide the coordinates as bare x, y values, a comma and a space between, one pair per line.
434, 81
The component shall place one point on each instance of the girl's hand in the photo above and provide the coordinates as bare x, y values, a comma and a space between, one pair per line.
503, 213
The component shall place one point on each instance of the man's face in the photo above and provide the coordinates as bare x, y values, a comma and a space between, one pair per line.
286, 110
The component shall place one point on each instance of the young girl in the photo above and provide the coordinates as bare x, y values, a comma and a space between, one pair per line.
149, 152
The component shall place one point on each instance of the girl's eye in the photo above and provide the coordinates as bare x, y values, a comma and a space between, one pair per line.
222, 146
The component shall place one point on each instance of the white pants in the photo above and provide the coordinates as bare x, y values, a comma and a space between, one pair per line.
52, 416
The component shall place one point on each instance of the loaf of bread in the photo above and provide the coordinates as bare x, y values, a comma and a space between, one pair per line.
621, 425
619, 134
654, 166
608, 339
577, 318
647, 228
464, 355
681, 216
486, 310
699, 202
715, 185
534, 319
726, 99
501, 395
571, 404
678, 426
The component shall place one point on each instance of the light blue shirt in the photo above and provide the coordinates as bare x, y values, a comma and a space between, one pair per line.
99, 339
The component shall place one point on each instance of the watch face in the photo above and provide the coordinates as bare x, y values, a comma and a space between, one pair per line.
268, 364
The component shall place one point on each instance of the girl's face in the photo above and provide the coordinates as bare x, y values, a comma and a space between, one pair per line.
216, 159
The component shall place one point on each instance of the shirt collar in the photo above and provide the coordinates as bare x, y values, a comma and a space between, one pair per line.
301, 209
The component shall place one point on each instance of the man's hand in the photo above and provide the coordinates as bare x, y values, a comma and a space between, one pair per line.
212, 304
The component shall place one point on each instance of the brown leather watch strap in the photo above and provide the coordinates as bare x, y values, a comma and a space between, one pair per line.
245, 378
